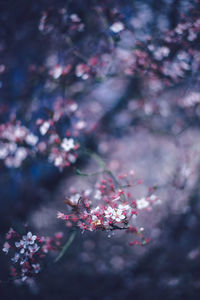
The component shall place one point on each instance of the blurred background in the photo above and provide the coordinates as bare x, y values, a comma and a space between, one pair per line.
132, 67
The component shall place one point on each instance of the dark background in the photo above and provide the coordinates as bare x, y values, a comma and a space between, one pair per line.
98, 267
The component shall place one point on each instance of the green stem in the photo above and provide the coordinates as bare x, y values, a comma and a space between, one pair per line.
78, 172
66, 246
102, 164
95, 156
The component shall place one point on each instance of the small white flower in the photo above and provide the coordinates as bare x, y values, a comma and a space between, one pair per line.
109, 211
73, 107
95, 210
161, 52
36, 268
81, 71
87, 192
20, 132
44, 128
94, 218
31, 139
28, 239
142, 203
117, 27
24, 278
34, 248
22, 251
98, 195
12, 147
192, 35
74, 198
67, 144
119, 216
21, 154
57, 71
81, 125
114, 214
75, 18
3, 151
58, 160
15, 258
124, 206
71, 158
17, 244
153, 197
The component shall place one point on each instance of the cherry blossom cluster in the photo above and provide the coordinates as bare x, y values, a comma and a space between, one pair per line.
191, 99
28, 251
106, 208
81, 64
73, 25
17, 142
57, 139
60, 132
164, 60
73, 22
173, 55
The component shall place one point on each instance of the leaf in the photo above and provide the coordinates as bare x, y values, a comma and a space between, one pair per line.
66, 246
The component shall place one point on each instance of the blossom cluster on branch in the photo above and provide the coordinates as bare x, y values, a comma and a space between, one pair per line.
28, 251
17, 142
55, 137
107, 207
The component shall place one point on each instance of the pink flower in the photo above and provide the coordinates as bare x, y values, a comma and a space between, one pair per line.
61, 216
6, 247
